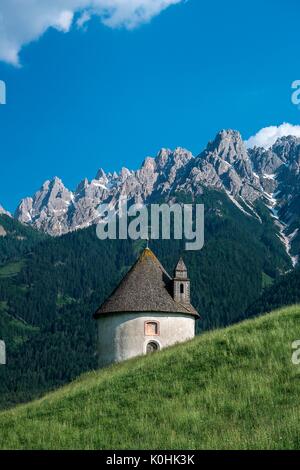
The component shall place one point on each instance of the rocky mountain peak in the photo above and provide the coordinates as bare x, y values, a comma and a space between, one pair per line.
167, 159
101, 175
225, 164
82, 186
47, 207
4, 212
149, 164
57, 189
285, 152
229, 146
162, 157
287, 148
125, 173
181, 156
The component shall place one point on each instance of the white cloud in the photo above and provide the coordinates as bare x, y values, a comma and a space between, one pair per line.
22, 22
267, 136
65, 20
83, 19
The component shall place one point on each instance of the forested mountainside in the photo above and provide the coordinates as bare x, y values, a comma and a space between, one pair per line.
285, 291
16, 238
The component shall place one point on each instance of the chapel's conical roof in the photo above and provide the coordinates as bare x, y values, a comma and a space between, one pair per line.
147, 287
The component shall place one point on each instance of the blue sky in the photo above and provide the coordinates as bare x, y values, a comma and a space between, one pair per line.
108, 97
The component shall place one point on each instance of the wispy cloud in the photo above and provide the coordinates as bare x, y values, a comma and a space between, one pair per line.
22, 22
267, 136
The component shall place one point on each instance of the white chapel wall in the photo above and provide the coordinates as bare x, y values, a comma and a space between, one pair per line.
122, 336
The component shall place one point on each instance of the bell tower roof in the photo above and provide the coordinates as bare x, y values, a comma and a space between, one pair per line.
180, 269
180, 265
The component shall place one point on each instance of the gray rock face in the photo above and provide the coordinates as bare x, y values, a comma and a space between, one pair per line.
2, 231
4, 212
225, 164
288, 190
48, 208
246, 175
279, 170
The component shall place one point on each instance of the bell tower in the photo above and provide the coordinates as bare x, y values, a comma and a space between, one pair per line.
181, 283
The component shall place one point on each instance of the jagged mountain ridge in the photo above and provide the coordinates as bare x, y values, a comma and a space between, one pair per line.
4, 212
246, 175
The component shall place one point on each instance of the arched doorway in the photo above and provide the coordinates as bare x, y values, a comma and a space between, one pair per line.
152, 347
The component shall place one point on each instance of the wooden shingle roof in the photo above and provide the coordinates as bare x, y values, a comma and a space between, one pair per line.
147, 287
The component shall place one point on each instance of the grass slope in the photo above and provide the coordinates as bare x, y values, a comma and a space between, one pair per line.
234, 388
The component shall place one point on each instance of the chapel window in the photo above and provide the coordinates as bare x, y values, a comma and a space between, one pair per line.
151, 328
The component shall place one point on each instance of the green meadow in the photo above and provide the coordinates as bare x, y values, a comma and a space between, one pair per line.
233, 388
11, 269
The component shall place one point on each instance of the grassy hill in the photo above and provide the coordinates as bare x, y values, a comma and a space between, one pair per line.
234, 388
